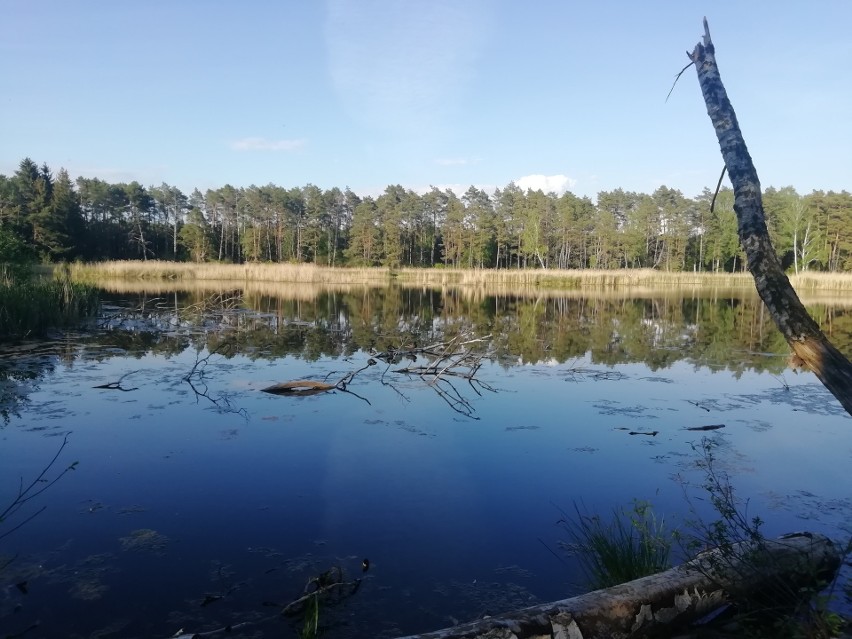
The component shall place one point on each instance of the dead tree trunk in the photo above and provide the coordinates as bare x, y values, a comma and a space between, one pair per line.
663, 601
810, 346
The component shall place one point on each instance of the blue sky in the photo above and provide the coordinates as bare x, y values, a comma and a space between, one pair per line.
366, 93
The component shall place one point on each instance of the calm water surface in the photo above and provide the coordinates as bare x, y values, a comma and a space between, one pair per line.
198, 499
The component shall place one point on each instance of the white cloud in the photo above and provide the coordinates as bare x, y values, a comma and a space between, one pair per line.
262, 144
457, 188
421, 189
547, 183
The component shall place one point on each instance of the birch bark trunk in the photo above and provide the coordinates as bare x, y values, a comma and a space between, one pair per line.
810, 346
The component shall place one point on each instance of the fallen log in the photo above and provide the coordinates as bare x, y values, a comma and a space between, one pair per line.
299, 387
810, 346
669, 599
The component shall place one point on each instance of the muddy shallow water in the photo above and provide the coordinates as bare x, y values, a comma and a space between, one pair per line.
199, 501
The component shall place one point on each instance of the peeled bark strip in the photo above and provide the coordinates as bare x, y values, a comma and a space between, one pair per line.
810, 346
666, 600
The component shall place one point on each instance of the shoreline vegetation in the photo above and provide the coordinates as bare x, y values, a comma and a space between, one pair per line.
31, 307
163, 271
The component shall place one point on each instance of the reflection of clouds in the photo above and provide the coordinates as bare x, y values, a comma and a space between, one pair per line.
612, 407
806, 505
396, 65
812, 399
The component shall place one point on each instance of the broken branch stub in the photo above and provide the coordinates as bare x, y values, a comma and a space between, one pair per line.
810, 346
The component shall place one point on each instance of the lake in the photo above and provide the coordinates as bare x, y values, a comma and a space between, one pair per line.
199, 502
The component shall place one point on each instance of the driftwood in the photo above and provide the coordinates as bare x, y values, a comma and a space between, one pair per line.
810, 346
299, 387
666, 600
306, 387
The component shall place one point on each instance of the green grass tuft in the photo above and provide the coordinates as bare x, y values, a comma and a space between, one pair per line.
632, 544
30, 307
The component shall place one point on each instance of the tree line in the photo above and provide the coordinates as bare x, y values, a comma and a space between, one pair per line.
54, 218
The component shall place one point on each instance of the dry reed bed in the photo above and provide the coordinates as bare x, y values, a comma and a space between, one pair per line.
574, 279
251, 272
523, 278
302, 291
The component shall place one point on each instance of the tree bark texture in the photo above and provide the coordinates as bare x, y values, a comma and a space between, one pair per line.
810, 346
668, 599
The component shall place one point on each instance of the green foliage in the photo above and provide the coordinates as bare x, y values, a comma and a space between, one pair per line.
195, 237
633, 543
310, 627
780, 610
509, 228
364, 244
32, 307
16, 257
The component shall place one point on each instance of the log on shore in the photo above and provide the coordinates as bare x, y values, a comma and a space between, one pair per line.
669, 599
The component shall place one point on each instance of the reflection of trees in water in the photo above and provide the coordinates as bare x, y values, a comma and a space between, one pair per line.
16, 382
727, 332
724, 332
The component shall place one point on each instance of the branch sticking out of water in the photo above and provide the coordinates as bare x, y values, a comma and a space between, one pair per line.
35, 488
196, 375
117, 385
447, 359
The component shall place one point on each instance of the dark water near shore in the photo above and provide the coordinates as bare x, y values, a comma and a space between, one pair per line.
198, 498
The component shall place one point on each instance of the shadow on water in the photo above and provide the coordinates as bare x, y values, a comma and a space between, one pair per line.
199, 498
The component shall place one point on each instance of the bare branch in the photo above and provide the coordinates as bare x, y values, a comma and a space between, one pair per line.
677, 77
718, 186
31, 491
117, 385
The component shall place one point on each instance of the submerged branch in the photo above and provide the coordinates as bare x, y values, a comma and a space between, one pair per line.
117, 385
32, 490
196, 375
326, 586
448, 359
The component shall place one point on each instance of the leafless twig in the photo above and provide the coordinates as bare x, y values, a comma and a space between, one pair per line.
32, 490
677, 77
196, 376
117, 385
718, 186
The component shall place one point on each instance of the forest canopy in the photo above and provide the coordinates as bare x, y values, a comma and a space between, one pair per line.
52, 218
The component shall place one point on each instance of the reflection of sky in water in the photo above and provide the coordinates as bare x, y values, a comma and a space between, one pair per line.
451, 511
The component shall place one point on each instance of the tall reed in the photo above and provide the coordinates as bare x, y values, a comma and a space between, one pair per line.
532, 278
634, 543
31, 307
249, 272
